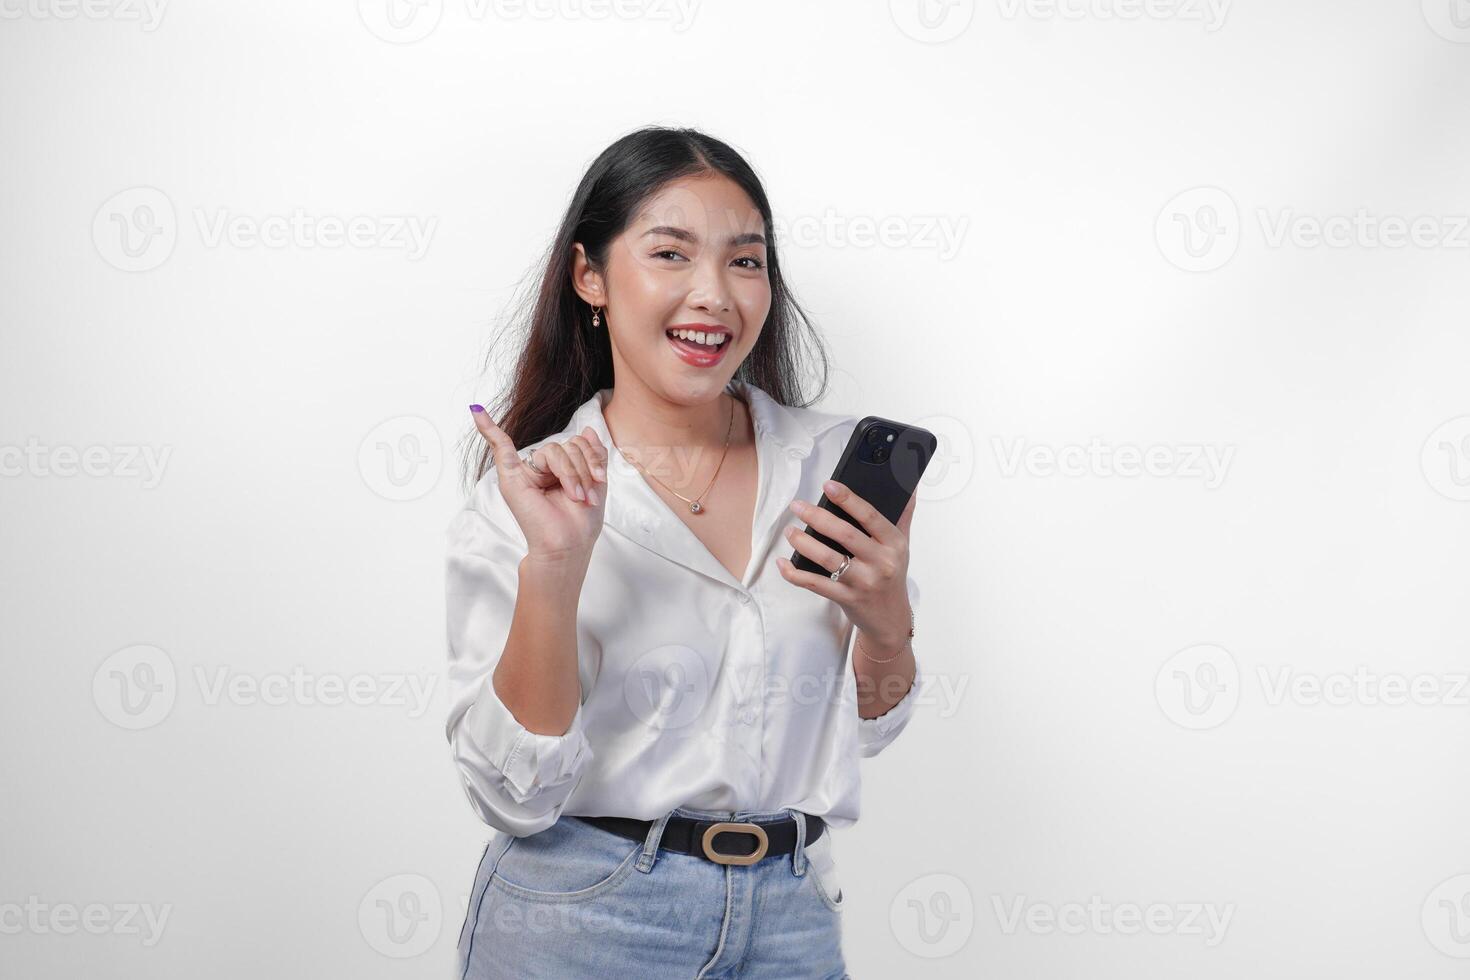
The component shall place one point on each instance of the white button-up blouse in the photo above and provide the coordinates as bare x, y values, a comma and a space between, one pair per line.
697, 689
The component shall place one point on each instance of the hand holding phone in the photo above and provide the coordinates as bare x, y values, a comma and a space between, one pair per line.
883, 463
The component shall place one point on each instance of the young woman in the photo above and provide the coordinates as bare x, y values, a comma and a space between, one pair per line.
659, 715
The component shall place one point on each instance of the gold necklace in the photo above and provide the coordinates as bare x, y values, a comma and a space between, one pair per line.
694, 505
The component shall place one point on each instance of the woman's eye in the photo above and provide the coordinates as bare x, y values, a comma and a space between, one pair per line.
673, 254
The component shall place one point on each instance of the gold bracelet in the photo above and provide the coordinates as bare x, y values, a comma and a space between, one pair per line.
890, 660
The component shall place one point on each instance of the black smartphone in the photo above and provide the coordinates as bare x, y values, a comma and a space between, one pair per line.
883, 463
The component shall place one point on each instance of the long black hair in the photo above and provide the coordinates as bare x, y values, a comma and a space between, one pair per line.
563, 360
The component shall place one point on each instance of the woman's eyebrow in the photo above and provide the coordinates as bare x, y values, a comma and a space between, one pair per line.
684, 235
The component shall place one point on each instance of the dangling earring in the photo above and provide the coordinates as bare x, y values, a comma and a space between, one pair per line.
596, 316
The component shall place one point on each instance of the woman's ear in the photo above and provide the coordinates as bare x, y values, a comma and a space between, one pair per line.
586, 280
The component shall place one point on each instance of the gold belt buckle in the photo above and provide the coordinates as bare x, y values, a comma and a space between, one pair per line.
744, 828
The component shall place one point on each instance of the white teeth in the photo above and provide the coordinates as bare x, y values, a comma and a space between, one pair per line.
700, 337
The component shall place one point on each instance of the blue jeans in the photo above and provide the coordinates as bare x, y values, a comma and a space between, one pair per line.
575, 902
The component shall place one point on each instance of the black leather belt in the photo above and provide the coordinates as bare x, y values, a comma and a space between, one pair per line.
697, 837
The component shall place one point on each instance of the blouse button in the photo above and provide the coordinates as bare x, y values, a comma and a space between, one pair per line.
795, 453
748, 716
745, 598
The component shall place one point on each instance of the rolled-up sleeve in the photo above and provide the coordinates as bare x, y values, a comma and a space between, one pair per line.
875, 734
517, 780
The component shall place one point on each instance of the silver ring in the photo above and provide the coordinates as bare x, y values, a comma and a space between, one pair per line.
525, 455
845, 562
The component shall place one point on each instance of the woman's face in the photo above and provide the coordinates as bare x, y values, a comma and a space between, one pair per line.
693, 258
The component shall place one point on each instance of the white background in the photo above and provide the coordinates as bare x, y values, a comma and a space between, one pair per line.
308, 401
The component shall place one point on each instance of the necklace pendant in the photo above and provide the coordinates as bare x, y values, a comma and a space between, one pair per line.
696, 506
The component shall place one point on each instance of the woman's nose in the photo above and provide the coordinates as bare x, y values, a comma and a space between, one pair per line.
709, 292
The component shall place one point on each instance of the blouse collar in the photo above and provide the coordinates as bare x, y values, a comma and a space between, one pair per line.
637, 512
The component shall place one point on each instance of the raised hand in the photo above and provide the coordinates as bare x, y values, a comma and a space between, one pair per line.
559, 509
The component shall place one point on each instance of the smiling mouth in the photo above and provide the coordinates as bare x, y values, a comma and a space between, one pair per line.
695, 353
